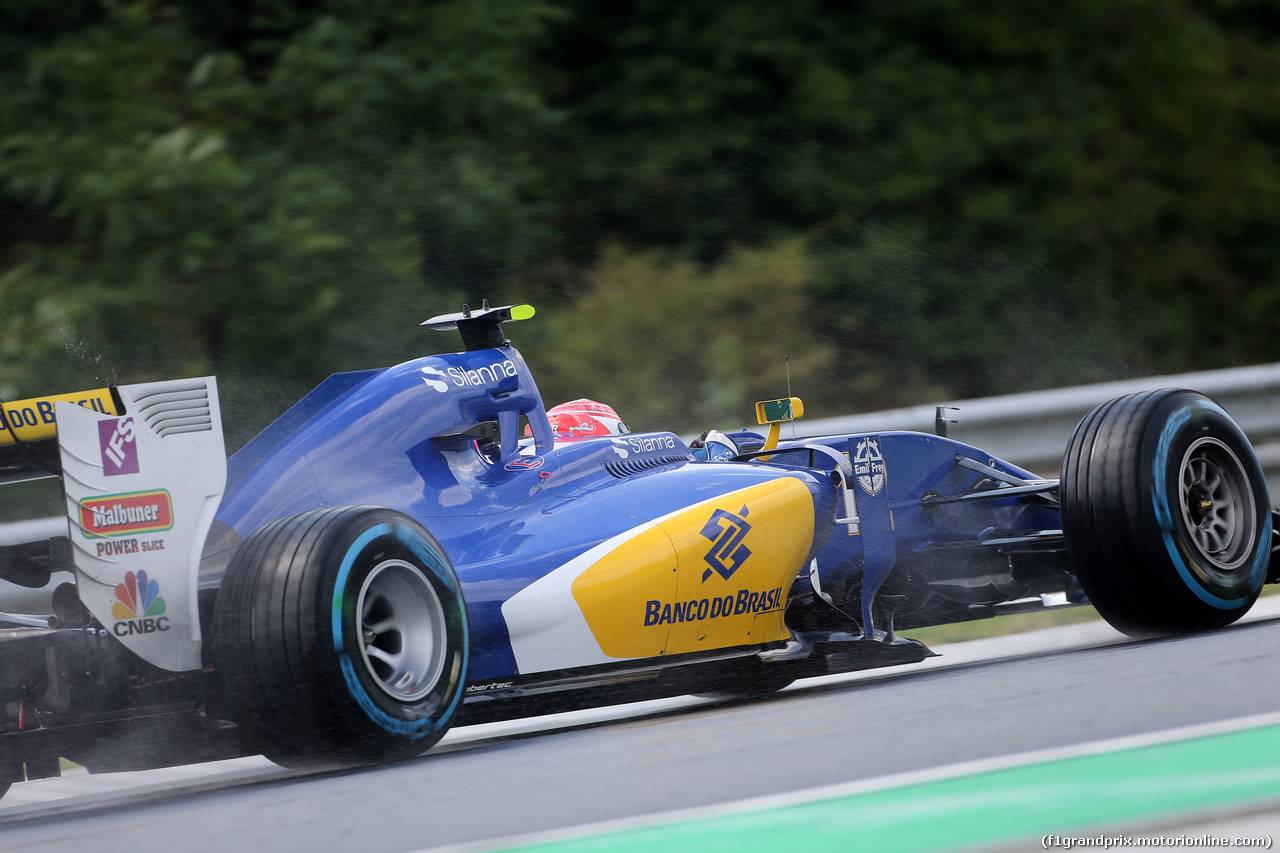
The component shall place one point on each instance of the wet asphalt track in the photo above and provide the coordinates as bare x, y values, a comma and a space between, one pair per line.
985, 699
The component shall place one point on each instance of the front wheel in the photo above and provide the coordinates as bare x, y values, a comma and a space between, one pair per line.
1165, 513
341, 638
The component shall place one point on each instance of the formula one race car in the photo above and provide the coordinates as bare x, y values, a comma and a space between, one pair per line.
411, 547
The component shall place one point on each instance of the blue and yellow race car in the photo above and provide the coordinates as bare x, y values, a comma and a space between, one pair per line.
418, 546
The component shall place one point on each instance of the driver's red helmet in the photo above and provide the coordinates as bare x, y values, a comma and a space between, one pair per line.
580, 419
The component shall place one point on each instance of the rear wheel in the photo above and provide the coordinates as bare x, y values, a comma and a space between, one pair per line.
1165, 513
341, 638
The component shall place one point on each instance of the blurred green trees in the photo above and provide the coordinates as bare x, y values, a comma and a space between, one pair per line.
265, 187
676, 342
912, 200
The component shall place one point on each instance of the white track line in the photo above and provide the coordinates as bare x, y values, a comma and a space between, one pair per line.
865, 786
79, 785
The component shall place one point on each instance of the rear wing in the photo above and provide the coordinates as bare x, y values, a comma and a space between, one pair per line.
142, 488
143, 470
28, 432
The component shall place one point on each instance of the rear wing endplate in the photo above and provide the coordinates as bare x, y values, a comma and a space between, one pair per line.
142, 487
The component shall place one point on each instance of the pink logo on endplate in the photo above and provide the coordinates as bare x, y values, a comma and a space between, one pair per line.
119, 446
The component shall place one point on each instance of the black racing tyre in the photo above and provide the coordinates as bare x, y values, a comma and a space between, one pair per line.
340, 637
1165, 513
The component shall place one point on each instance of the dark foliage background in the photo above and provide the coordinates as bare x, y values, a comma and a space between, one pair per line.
914, 200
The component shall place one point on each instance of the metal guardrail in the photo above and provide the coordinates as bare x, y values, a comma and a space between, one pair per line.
1032, 429
21, 599
1029, 429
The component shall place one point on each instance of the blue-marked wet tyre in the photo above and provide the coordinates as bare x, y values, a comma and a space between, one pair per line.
1165, 513
340, 637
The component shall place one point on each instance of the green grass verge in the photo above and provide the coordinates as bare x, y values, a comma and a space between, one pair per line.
998, 626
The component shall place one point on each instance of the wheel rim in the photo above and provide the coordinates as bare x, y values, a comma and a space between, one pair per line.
1217, 505
400, 626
